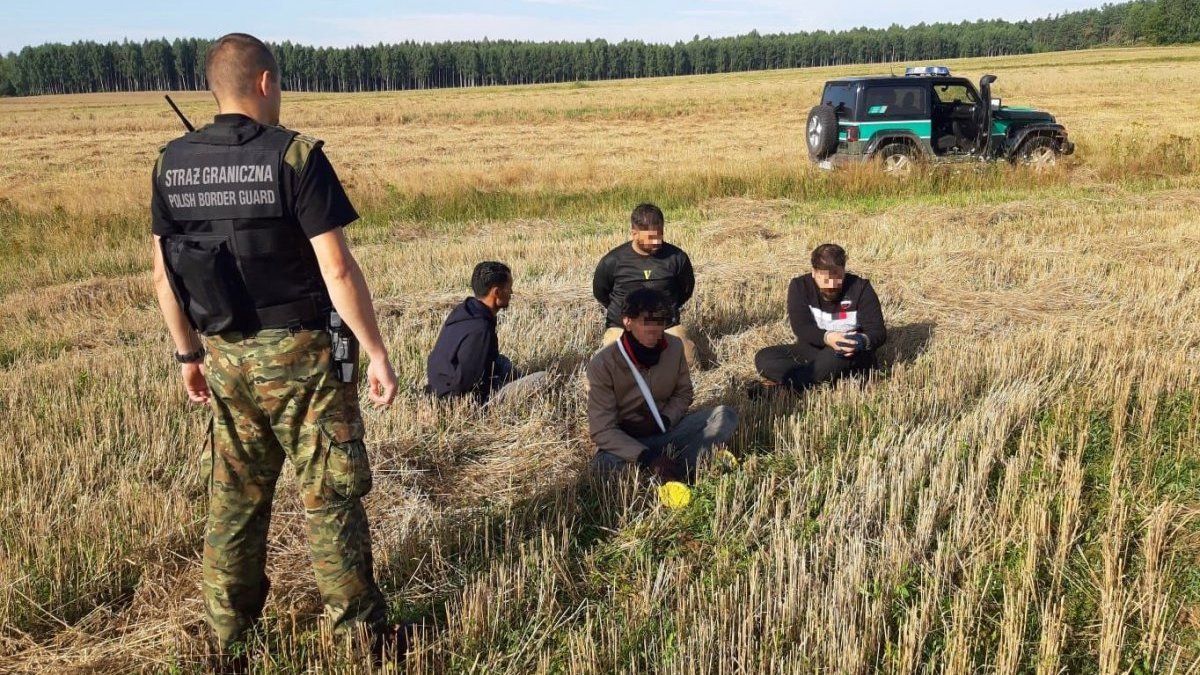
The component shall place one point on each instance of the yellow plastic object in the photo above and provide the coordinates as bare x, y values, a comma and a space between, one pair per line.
674, 495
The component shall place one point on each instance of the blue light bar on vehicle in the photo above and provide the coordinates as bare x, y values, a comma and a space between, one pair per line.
927, 71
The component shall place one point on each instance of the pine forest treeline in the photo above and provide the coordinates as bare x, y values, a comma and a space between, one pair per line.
178, 64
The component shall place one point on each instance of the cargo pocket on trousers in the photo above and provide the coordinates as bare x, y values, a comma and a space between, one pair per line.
208, 457
347, 469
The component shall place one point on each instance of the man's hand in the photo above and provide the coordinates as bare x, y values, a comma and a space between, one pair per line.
381, 382
194, 382
182, 335
348, 290
352, 300
842, 343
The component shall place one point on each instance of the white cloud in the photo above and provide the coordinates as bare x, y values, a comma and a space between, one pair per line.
715, 12
578, 4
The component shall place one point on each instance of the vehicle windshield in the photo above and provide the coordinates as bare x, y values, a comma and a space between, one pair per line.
954, 93
841, 96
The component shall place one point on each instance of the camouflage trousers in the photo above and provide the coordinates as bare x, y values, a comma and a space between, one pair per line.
274, 396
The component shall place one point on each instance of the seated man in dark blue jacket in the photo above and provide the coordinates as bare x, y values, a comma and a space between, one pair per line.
466, 359
837, 321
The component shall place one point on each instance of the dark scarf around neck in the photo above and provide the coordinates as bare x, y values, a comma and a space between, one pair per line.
643, 357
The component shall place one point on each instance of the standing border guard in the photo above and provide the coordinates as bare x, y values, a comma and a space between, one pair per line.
249, 252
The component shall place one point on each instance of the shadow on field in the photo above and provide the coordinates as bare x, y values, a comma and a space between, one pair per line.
582, 511
448, 564
757, 432
437, 567
905, 343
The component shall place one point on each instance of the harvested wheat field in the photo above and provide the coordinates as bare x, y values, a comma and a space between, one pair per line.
1018, 491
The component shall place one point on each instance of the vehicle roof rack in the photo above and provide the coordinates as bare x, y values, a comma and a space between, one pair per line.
927, 71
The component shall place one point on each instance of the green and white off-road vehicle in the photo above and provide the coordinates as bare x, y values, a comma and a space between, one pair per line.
927, 115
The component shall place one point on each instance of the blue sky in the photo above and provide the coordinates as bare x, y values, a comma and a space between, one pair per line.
337, 24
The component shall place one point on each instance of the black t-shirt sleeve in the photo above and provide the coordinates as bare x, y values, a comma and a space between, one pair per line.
160, 217
602, 280
687, 279
321, 201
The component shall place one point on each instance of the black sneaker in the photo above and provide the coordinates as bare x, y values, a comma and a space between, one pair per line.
761, 391
391, 644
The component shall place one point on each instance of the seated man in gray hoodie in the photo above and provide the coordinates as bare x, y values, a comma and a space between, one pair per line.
640, 393
466, 359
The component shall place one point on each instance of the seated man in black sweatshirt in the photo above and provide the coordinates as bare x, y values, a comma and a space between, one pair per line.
645, 261
466, 359
837, 321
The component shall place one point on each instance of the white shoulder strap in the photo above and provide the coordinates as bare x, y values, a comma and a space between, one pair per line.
641, 383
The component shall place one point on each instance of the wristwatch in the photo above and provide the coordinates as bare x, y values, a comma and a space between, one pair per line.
191, 357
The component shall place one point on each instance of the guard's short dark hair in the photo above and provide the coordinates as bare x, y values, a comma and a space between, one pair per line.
234, 63
489, 275
646, 217
646, 302
829, 257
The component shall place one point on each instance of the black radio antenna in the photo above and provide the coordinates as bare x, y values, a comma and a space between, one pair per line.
182, 118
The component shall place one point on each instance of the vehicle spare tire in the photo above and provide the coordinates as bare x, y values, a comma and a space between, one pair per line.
821, 132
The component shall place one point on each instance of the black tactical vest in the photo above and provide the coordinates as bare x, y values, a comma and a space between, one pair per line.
243, 262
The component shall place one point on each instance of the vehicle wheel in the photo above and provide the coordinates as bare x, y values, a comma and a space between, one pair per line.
897, 159
821, 132
1040, 153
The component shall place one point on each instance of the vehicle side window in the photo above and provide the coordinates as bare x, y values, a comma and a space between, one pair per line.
906, 102
954, 93
841, 97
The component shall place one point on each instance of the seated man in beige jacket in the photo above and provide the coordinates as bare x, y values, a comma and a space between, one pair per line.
647, 365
